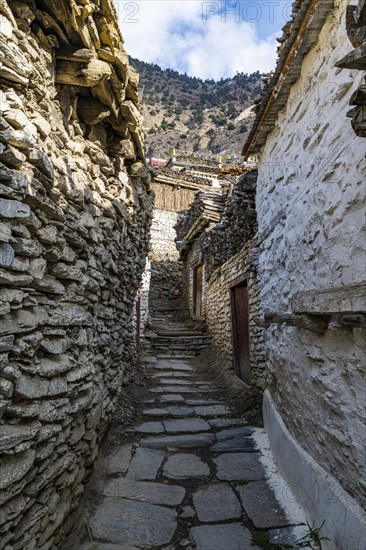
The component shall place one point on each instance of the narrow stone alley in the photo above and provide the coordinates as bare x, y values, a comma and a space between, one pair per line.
187, 473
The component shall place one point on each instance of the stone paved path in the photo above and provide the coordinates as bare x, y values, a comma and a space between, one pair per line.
188, 476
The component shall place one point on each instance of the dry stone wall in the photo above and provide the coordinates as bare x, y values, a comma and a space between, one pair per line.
216, 305
75, 208
311, 205
165, 267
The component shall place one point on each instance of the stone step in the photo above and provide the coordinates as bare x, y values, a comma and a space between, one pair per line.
180, 338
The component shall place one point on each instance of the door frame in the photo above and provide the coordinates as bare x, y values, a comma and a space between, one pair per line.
241, 280
195, 315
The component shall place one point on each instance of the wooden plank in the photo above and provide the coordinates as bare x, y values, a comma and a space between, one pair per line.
240, 320
331, 300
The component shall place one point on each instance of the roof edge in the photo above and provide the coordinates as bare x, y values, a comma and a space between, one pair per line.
310, 16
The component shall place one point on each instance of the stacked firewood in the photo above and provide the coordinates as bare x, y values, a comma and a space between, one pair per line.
207, 207
237, 222
182, 177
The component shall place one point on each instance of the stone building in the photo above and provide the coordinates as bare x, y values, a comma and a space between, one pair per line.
310, 203
75, 209
217, 241
174, 187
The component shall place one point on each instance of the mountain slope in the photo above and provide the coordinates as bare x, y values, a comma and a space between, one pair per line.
190, 114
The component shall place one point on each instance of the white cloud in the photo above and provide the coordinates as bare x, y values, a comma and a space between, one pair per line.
173, 34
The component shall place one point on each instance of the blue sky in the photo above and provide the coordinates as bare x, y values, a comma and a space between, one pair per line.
205, 39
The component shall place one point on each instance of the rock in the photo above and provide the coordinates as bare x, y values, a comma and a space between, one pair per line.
13, 209
155, 412
185, 466
70, 315
178, 441
6, 389
261, 505
56, 345
212, 410
190, 425
144, 491
239, 466
12, 509
187, 512
150, 428
11, 279
12, 157
17, 138
145, 464
236, 444
27, 247
180, 411
231, 536
16, 118
6, 255
37, 268
216, 502
49, 367
39, 159
23, 320
11, 436
6, 342
34, 388
138, 170
5, 233
127, 149
123, 521
119, 460
172, 398
14, 467
41, 124
240, 431
48, 285
47, 235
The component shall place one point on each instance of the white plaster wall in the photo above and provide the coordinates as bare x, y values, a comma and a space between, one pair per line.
311, 216
144, 300
163, 235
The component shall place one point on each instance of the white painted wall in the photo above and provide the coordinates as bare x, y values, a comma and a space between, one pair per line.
311, 216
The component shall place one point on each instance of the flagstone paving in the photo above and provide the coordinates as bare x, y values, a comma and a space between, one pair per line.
188, 475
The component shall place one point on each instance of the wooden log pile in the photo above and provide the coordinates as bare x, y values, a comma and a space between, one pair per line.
238, 224
197, 160
205, 209
225, 219
183, 177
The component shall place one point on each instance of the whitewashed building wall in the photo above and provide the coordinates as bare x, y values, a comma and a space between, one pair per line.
311, 216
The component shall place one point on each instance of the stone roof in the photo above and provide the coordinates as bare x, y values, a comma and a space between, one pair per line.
299, 36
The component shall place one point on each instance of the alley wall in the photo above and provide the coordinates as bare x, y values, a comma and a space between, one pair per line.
75, 207
311, 216
165, 267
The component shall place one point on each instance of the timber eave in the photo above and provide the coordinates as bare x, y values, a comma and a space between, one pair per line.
304, 33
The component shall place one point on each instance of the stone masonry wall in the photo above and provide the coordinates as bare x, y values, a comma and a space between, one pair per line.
165, 267
216, 305
194, 257
311, 216
75, 208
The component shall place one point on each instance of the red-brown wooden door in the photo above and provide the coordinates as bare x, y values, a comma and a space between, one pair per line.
240, 317
197, 291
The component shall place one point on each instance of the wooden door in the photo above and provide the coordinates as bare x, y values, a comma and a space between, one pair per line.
240, 318
197, 291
